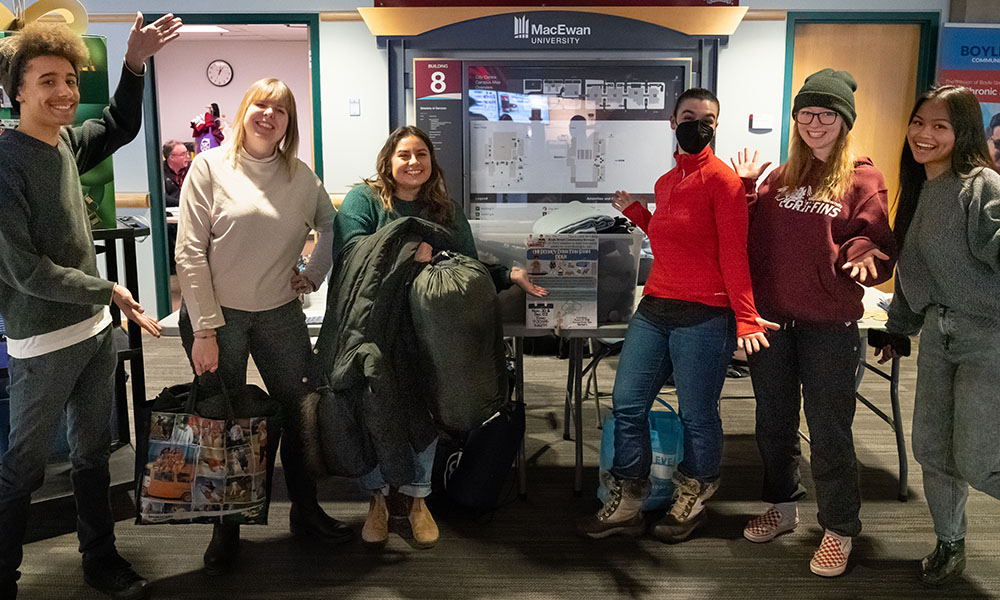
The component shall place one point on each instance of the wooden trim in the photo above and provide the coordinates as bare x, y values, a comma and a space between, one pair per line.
760, 14
328, 16
339, 16
112, 17
131, 200
690, 20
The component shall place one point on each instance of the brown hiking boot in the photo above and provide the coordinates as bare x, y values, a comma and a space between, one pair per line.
376, 527
621, 513
422, 525
688, 510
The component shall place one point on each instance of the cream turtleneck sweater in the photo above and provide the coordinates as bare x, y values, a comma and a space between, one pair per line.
242, 230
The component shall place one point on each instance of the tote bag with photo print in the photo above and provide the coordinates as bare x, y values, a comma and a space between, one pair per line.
205, 457
667, 438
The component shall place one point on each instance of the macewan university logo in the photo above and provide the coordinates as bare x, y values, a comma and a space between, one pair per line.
521, 25
540, 34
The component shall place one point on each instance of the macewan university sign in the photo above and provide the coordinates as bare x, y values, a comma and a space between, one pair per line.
579, 25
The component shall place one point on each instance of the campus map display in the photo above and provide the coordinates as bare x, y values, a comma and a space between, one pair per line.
544, 135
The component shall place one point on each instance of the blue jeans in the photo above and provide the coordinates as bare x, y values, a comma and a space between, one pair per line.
697, 356
77, 380
278, 340
423, 465
956, 421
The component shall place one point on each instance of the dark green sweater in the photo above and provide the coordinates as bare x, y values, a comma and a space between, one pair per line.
362, 213
48, 267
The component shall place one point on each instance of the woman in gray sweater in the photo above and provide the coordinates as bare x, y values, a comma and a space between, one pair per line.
948, 287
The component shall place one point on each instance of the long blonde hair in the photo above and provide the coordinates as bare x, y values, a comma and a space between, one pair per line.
433, 196
836, 175
271, 90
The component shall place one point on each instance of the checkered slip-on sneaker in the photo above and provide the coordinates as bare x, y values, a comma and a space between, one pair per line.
830, 559
765, 527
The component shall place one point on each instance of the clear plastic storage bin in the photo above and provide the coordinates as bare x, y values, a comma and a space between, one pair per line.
505, 242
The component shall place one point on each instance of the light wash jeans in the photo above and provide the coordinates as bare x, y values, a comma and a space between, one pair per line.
697, 356
423, 465
956, 416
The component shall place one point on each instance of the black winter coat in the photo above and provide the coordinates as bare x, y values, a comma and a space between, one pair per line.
370, 409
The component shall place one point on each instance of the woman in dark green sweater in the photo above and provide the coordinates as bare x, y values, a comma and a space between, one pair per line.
409, 183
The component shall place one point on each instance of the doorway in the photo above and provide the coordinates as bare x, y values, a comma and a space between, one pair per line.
890, 55
214, 62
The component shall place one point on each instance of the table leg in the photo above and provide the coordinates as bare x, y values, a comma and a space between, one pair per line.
897, 425
577, 370
567, 409
522, 475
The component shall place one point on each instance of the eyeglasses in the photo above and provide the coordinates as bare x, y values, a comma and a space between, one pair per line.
179, 154
804, 117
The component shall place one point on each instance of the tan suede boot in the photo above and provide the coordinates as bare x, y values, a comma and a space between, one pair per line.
422, 525
376, 529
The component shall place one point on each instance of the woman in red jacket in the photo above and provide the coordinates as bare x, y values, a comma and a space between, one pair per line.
835, 207
685, 326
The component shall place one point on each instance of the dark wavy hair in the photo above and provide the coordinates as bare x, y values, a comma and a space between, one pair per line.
432, 199
968, 153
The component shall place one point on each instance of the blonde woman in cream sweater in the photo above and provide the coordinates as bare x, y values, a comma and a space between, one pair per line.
246, 210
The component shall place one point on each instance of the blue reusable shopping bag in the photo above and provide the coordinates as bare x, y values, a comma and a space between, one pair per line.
667, 437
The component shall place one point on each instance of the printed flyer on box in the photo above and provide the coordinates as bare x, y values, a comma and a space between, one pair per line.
565, 265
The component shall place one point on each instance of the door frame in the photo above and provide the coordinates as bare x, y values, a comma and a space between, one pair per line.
154, 170
929, 23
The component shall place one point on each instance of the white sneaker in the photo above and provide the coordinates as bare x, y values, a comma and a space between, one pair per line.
774, 522
830, 559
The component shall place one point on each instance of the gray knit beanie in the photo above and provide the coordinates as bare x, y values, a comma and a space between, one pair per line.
829, 89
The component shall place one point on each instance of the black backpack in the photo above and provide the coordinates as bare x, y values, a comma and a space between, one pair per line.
471, 470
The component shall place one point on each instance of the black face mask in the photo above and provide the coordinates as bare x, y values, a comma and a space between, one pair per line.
693, 136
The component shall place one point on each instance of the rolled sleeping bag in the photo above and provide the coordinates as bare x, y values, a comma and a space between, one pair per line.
457, 323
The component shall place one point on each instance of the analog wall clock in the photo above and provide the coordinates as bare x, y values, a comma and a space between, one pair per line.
219, 72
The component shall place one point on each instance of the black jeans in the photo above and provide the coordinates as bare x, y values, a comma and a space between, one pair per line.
822, 361
278, 341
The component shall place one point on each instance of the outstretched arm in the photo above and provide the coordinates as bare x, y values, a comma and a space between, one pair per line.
144, 42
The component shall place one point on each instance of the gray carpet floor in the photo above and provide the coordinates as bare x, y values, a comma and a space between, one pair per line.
528, 548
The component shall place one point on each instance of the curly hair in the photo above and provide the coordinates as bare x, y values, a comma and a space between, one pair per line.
38, 39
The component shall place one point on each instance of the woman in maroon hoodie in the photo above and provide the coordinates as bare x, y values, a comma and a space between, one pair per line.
818, 228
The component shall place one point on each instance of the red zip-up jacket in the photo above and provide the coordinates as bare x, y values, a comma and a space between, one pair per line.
797, 245
699, 237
